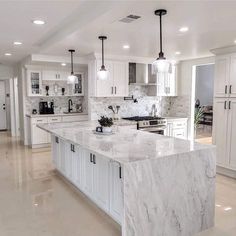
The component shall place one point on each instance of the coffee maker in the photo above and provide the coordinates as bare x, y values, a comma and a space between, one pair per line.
46, 108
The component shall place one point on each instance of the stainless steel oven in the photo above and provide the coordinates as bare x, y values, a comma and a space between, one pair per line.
155, 129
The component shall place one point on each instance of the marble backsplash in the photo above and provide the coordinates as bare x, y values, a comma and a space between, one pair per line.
60, 103
165, 106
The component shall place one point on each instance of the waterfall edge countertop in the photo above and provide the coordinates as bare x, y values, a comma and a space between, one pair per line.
126, 144
167, 185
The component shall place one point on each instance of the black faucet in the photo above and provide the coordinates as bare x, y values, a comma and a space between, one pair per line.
70, 105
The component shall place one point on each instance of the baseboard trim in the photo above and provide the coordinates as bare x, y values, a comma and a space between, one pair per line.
225, 171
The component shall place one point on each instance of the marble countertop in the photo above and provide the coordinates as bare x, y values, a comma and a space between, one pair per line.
57, 114
125, 145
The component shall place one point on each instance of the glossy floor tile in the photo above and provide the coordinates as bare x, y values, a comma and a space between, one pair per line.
34, 201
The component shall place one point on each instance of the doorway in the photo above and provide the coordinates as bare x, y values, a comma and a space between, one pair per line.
3, 114
203, 103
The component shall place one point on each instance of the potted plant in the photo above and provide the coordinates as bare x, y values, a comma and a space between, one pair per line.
106, 124
197, 118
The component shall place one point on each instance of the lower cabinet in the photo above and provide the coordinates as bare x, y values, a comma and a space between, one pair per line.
177, 128
98, 177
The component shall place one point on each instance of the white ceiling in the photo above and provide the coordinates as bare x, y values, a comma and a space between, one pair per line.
77, 24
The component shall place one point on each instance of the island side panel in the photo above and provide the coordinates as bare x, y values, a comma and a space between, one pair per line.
170, 196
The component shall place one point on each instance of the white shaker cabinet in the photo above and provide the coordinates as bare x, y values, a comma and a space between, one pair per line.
117, 83
177, 127
225, 74
224, 130
116, 193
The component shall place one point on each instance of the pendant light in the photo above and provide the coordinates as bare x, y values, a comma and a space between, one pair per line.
71, 78
102, 73
161, 65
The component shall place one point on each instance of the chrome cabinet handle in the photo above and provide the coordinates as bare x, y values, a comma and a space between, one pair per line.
225, 105
230, 89
226, 89
229, 105
111, 90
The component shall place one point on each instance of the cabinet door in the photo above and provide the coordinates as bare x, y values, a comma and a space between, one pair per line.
79, 84
34, 83
222, 73
38, 136
116, 191
105, 88
50, 75
87, 173
232, 80
169, 129
220, 122
232, 133
76, 166
120, 74
62, 166
101, 181
68, 160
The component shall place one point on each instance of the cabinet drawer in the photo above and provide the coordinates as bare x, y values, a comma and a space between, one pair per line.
39, 120
54, 119
179, 133
74, 118
179, 124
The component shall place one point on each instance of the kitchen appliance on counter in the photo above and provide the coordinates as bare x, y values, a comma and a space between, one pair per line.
46, 108
153, 124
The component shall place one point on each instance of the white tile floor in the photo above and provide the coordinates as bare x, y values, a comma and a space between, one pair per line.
36, 202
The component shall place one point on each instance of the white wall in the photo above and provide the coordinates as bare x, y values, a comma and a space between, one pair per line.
204, 84
186, 85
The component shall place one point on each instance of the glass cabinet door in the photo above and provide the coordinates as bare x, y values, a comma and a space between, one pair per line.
34, 80
78, 86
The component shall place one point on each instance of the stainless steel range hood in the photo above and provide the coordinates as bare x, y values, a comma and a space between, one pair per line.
141, 74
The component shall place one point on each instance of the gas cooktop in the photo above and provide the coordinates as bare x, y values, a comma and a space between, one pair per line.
143, 118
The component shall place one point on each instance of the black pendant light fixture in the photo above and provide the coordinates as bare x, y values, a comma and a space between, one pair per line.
102, 73
161, 65
71, 78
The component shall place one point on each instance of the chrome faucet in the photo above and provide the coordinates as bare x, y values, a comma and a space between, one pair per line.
70, 104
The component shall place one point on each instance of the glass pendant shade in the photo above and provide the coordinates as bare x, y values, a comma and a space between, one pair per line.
161, 65
71, 79
102, 73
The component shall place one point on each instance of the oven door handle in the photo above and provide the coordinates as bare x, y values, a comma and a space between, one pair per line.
151, 129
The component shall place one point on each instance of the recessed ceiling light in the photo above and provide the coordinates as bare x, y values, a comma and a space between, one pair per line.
177, 53
7, 54
235, 41
17, 43
126, 46
183, 29
39, 22
228, 208
63, 64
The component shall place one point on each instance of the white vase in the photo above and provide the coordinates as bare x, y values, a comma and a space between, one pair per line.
106, 129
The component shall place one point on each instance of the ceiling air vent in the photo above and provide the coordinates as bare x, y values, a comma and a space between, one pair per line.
130, 18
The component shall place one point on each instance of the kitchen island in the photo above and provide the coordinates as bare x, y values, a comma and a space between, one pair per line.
151, 184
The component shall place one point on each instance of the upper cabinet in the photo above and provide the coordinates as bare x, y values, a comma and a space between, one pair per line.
225, 74
117, 83
37, 80
34, 83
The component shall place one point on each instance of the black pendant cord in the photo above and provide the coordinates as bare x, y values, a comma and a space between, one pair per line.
72, 69
102, 52
161, 34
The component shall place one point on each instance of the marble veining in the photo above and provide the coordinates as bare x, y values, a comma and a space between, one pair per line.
172, 196
126, 144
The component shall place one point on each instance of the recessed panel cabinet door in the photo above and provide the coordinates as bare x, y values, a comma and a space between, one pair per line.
116, 192
76, 166
101, 181
220, 130
68, 160
232, 81
39, 136
62, 166
232, 133
222, 73
105, 87
87, 173
120, 72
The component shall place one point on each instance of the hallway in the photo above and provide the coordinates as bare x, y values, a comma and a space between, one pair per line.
34, 201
